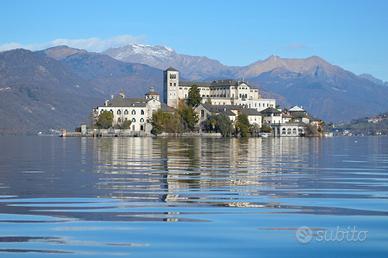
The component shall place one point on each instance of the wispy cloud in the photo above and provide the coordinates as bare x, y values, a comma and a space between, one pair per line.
93, 44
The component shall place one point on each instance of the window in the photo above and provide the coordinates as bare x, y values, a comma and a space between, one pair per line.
133, 112
142, 128
119, 120
172, 76
170, 83
174, 83
142, 112
126, 112
133, 120
141, 120
202, 113
119, 112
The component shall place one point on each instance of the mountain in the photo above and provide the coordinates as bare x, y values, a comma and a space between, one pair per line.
191, 67
110, 76
61, 52
327, 91
38, 93
58, 87
374, 125
373, 79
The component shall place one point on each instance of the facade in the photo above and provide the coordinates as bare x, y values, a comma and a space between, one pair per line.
219, 92
137, 110
288, 129
272, 116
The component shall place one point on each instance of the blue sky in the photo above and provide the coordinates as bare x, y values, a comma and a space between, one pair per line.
352, 34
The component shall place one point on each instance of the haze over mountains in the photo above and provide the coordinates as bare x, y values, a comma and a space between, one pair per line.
57, 87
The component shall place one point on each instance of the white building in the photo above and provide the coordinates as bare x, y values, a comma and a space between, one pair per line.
220, 92
137, 110
272, 116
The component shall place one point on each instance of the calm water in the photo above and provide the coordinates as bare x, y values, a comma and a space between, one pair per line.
144, 197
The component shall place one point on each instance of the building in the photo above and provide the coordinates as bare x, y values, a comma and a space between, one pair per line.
288, 129
299, 115
272, 116
219, 92
137, 110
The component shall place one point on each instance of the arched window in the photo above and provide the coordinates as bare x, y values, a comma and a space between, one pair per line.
133, 120
294, 131
133, 112
142, 112
119, 120
141, 120
111, 111
126, 112
119, 112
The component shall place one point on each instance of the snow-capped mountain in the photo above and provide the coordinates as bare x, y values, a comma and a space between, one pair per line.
191, 67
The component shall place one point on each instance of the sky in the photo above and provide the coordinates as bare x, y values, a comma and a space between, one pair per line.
350, 33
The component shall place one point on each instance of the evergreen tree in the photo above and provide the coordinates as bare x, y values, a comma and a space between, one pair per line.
242, 125
194, 98
105, 120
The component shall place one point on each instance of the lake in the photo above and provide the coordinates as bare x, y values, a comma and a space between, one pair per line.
193, 197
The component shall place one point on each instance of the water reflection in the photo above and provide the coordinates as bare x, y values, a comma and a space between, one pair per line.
77, 185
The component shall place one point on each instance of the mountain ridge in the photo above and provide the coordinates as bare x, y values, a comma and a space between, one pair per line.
57, 87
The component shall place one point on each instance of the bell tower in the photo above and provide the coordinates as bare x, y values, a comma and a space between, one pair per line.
170, 87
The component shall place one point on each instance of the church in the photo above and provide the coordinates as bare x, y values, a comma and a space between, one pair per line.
218, 92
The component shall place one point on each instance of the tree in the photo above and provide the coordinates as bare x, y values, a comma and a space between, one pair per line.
242, 125
165, 122
194, 98
157, 122
105, 120
126, 124
209, 125
265, 128
224, 125
189, 117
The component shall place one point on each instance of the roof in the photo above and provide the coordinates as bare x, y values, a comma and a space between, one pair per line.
172, 69
215, 83
191, 83
286, 115
152, 91
300, 114
296, 109
250, 112
218, 109
119, 101
270, 110
165, 108
227, 109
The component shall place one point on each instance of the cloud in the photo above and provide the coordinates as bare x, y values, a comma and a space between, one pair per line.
297, 46
93, 44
